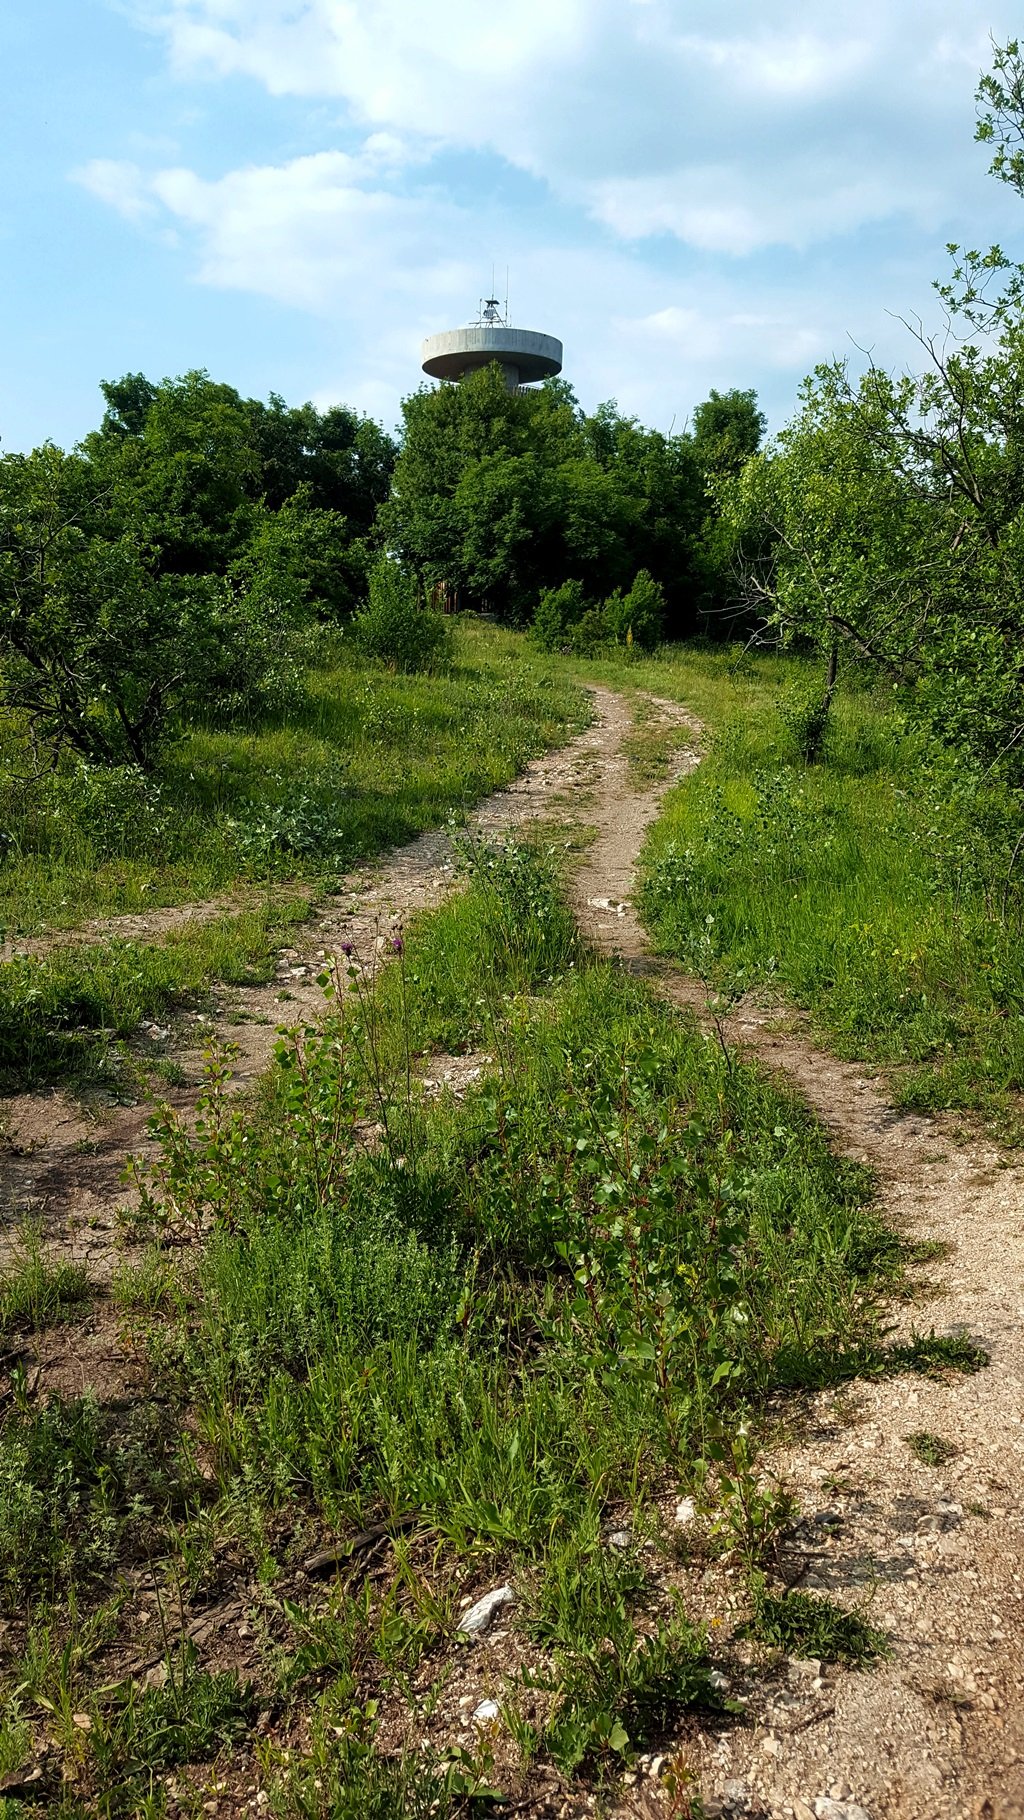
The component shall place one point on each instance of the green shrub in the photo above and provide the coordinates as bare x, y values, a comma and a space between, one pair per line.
559, 611
589, 633
637, 617
806, 712
394, 628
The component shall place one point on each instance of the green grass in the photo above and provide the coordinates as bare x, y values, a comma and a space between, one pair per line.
930, 1449
811, 1625
364, 761
62, 1013
39, 1291
878, 889
190, 1719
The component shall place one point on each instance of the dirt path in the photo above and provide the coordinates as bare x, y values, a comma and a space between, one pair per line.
61, 1159
936, 1734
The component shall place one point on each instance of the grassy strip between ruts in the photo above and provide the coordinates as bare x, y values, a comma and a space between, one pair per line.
501, 1329
882, 889
362, 760
61, 1014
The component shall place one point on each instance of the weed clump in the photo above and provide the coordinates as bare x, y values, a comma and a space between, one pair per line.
39, 1291
813, 1625
930, 1449
190, 1719
938, 1355
81, 1489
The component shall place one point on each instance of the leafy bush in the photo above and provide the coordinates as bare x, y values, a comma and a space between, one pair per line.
395, 628
558, 613
302, 560
637, 617
100, 647
806, 713
565, 620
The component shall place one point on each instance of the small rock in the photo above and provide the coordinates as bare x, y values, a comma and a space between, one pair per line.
479, 1615
801, 1811
737, 1801
486, 1712
718, 1681
620, 1538
826, 1808
686, 1511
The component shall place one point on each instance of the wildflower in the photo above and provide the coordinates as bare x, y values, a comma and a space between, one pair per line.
347, 949
397, 944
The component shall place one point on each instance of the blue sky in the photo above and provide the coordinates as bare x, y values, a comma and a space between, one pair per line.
291, 193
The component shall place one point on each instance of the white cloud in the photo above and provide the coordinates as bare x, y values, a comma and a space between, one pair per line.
722, 210
304, 233
121, 185
629, 111
718, 172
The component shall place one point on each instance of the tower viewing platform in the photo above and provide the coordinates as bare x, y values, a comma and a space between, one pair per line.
522, 354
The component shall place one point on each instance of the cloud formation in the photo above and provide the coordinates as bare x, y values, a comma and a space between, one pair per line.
723, 126
692, 192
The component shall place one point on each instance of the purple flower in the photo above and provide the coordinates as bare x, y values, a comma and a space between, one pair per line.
397, 945
347, 949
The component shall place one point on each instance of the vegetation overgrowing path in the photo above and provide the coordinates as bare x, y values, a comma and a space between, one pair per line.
937, 1550
911, 1488
63, 1156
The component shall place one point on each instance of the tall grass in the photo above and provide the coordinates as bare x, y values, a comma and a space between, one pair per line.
882, 889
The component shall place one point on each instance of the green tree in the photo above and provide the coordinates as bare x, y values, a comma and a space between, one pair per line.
100, 649
889, 516
727, 429
504, 496
197, 466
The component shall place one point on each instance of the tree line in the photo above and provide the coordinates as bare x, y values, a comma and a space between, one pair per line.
171, 564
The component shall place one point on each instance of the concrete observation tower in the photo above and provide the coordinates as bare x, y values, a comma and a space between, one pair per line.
522, 354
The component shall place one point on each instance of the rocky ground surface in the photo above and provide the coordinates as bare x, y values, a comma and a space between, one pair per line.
931, 1552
